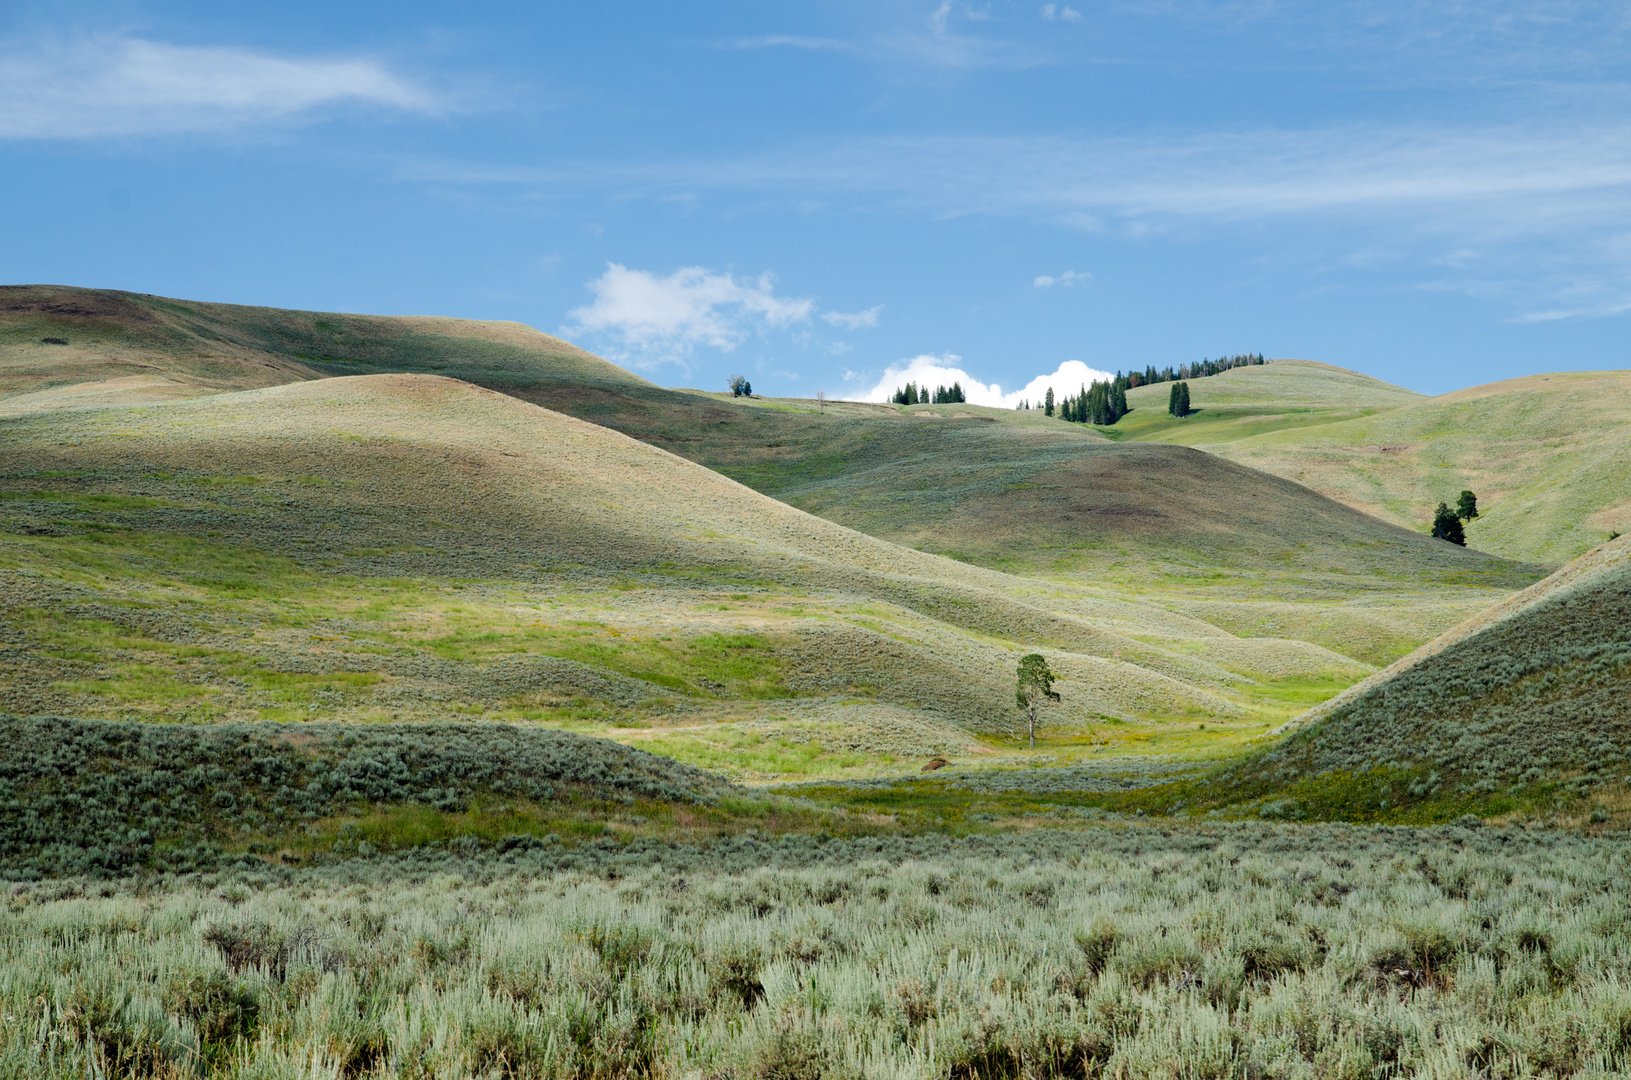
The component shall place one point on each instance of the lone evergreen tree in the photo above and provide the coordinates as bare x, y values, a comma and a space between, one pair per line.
1172, 400
1035, 688
1183, 399
1446, 526
1047, 402
1466, 508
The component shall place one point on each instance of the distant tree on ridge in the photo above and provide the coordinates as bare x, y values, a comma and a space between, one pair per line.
1466, 508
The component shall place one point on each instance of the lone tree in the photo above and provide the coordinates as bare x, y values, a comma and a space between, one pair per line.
1466, 508
739, 385
1047, 403
1034, 689
1446, 526
1178, 399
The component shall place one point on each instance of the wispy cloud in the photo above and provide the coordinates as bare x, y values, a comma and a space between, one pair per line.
122, 86
854, 320
1060, 13
1067, 279
929, 370
650, 320
790, 41
1536, 217
1231, 176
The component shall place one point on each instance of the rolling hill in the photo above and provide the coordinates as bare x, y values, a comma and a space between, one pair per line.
1528, 694
1281, 395
1012, 490
413, 547
1544, 453
62, 346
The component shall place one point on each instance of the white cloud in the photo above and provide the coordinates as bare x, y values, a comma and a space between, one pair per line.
1067, 279
650, 319
934, 371
1051, 12
115, 86
853, 320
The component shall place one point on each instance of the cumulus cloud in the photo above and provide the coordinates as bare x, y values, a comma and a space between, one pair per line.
853, 320
650, 320
1061, 13
934, 371
1067, 279
113, 86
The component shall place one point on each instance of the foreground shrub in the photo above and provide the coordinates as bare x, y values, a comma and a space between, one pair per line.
94, 796
1205, 952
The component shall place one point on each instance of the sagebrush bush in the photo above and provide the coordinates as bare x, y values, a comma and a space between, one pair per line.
1138, 952
92, 796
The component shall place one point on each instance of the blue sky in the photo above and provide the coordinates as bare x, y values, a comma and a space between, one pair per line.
821, 195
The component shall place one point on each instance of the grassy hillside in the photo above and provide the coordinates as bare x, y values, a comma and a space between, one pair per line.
1533, 688
1282, 395
63, 347
1518, 711
1014, 491
1543, 453
412, 547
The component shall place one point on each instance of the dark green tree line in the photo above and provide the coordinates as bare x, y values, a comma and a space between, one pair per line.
913, 394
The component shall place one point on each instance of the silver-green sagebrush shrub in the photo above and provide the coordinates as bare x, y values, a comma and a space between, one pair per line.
1226, 952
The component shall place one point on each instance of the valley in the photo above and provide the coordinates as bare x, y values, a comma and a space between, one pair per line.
428, 697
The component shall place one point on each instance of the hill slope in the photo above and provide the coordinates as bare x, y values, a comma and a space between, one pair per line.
1012, 490
409, 546
63, 346
1532, 690
1281, 395
1544, 453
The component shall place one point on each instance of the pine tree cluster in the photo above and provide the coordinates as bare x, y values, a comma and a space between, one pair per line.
1100, 403
1105, 402
913, 394
1178, 400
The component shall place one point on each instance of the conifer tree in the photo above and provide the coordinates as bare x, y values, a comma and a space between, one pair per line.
1466, 508
1446, 526
1172, 400
1047, 402
1183, 399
